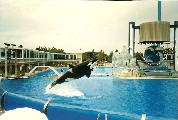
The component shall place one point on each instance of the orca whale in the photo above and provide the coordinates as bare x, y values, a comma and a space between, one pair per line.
76, 72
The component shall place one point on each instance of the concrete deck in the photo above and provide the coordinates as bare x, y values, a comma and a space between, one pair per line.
1, 112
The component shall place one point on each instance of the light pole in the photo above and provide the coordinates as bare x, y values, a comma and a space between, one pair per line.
6, 49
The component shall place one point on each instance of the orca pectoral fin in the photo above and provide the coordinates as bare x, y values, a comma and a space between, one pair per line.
52, 84
88, 74
66, 81
62, 79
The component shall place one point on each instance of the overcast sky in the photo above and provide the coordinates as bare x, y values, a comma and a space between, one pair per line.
71, 26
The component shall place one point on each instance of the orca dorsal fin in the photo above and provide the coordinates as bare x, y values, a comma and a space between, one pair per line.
71, 66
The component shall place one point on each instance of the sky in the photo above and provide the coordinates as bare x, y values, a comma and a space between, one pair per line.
76, 26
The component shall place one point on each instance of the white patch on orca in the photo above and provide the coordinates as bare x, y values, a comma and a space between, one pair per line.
92, 65
66, 90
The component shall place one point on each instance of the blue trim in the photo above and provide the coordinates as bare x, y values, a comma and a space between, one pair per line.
59, 111
159, 10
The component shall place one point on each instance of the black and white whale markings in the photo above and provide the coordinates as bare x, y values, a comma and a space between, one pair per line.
77, 71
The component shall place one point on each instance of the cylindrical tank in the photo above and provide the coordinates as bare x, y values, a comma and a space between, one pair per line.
155, 32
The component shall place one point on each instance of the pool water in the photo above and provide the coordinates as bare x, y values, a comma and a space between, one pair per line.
155, 97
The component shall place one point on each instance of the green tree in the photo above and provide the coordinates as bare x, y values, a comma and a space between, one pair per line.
139, 56
109, 57
52, 50
101, 57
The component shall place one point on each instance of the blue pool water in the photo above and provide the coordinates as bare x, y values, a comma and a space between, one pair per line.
155, 97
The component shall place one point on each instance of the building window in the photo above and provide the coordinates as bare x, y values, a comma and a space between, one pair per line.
71, 57
19, 53
67, 56
75, 57
2, 52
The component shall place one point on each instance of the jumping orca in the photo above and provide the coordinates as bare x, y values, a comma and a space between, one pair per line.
76, 72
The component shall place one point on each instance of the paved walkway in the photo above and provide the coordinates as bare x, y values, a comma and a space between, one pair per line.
1, 112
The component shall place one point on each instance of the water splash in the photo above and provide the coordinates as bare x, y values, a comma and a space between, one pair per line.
66, 90
91, 97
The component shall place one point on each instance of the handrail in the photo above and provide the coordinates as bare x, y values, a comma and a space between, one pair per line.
46, 107
2, 100
98, 116
43, 66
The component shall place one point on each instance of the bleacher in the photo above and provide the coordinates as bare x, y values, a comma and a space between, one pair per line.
157, 71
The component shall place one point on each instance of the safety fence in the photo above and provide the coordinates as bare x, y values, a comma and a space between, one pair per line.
10, 101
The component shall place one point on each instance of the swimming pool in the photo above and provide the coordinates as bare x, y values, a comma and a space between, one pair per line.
123, 97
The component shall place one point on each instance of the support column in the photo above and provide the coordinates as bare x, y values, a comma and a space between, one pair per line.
6, 61
159, 10
26, 59
15, 61
133, 25
176, 48
129, 39
29, 55
133, 46
0, 55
